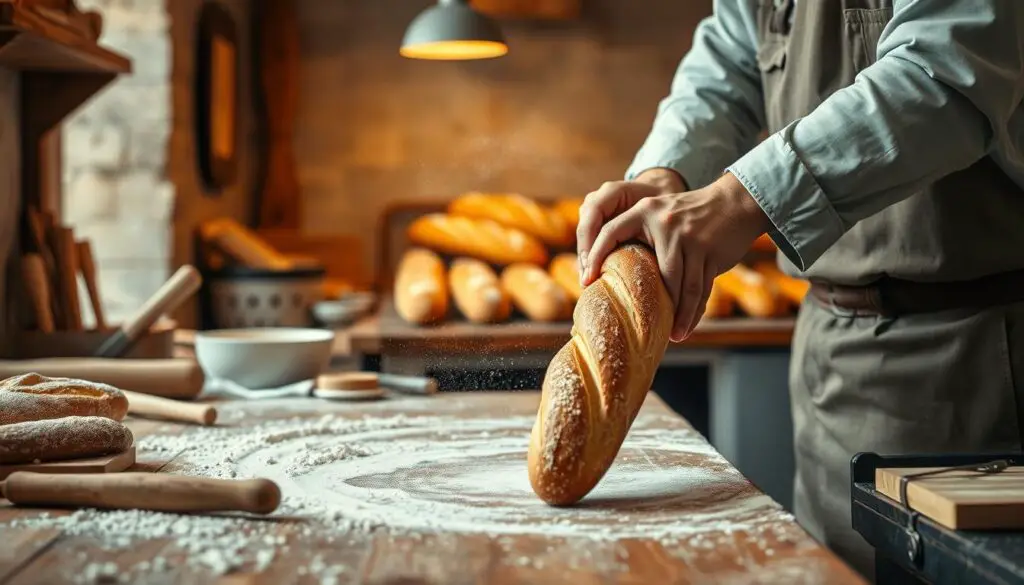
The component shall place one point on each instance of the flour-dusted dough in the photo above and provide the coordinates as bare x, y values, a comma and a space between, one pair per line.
32, 397
57, 439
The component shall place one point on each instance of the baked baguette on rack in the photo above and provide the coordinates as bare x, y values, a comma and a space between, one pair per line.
477, 291
477, 238
597, 382
535, 293
570, 210
792, 289
719, 304
565, 271
421, 287
32, 397
516, 211
764, 243
754, 293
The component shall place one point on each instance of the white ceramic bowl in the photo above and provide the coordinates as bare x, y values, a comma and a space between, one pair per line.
264, 358
343, 311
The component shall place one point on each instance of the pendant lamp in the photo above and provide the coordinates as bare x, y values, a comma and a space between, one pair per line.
452, 31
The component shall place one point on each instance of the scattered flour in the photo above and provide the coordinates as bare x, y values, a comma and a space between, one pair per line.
412, 474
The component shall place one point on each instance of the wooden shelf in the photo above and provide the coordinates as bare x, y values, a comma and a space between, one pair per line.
32, 42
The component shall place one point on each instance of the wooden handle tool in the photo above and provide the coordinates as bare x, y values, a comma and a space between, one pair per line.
37, 285
37, 227
146, 406
408, 384
183, 284
160, 492
180, 378
66, 258
87, 265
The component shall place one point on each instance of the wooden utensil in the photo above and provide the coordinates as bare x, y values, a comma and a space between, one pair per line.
37, 286
62, 244
147, 406
961, 499
408, 384
242, 245
37, 227
143, 491
183, 284
105, 464
87, 265
179, 378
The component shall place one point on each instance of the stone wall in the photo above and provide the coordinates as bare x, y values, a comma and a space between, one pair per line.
563, 112
130, 179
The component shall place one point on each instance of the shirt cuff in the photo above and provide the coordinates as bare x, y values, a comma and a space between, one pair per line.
805, 222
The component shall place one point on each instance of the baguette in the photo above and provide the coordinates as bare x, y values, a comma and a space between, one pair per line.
477, 238
535, 294
595, 385
518, 212
421, 287
754, 294
791, 289
764, 244
719, 304
477, 291
570, 210
58, 439
565, 271
32, 397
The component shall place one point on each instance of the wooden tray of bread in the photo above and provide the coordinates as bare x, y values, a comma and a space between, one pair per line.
500, 270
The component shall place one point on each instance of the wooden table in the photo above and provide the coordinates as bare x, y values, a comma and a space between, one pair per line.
714, 527
748, 362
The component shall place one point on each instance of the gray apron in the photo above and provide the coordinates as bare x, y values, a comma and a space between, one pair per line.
934, 383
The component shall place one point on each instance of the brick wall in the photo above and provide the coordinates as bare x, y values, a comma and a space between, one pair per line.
563, 112
130, 180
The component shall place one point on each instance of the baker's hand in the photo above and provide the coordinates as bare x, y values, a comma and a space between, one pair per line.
696, 235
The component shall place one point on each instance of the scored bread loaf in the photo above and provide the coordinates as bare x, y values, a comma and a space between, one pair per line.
565, 271
754, 294
421, 287
32, 397
516, 211
535, 293
477, 292
58, 439
595, 385
477, 238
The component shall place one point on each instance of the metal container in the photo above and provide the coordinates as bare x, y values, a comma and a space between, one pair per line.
239, 297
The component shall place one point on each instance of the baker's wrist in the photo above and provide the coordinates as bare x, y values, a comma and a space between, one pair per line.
666, 179
743, 202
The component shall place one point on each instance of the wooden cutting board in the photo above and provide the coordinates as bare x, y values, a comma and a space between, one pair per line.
962, 499
106, 464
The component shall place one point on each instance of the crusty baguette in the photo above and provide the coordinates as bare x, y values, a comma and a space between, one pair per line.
59, 439
32, 397
754, 294
477, 238
792, 289
516, 211
477, 292
535, 294
720, 304
565, 271
421, 287
570, 210
597, 382
764, 244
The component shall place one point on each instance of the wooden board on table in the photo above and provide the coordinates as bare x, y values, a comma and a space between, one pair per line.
962, 499
105, 464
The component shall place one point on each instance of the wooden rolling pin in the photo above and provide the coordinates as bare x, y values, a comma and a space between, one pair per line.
182, 285
37, 286
180, 378
160, 492
87, 266
147, 406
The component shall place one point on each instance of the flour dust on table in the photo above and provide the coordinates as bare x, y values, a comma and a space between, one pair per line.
406, 473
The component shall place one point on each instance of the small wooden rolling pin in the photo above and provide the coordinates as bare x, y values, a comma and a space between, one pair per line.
160, 492
148, 406
180, 378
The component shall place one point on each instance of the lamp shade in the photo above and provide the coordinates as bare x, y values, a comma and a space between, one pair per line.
451, 31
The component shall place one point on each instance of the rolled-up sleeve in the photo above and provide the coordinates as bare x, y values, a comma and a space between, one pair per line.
948, 78
715, 108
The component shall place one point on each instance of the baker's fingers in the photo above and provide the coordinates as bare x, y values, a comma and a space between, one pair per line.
690, 294
623, 227
702, 305
601, 206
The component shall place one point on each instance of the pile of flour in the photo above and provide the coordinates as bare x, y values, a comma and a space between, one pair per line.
417, 474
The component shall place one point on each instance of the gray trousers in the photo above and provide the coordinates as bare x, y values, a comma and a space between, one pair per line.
938, 383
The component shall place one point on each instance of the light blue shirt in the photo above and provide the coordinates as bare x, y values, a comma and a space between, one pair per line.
946, 91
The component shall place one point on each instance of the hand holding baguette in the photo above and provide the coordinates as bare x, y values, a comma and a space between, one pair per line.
597, 382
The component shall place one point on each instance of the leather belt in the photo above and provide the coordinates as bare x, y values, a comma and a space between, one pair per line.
891, 297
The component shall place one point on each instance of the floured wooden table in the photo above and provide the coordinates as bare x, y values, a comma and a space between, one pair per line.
424, 490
